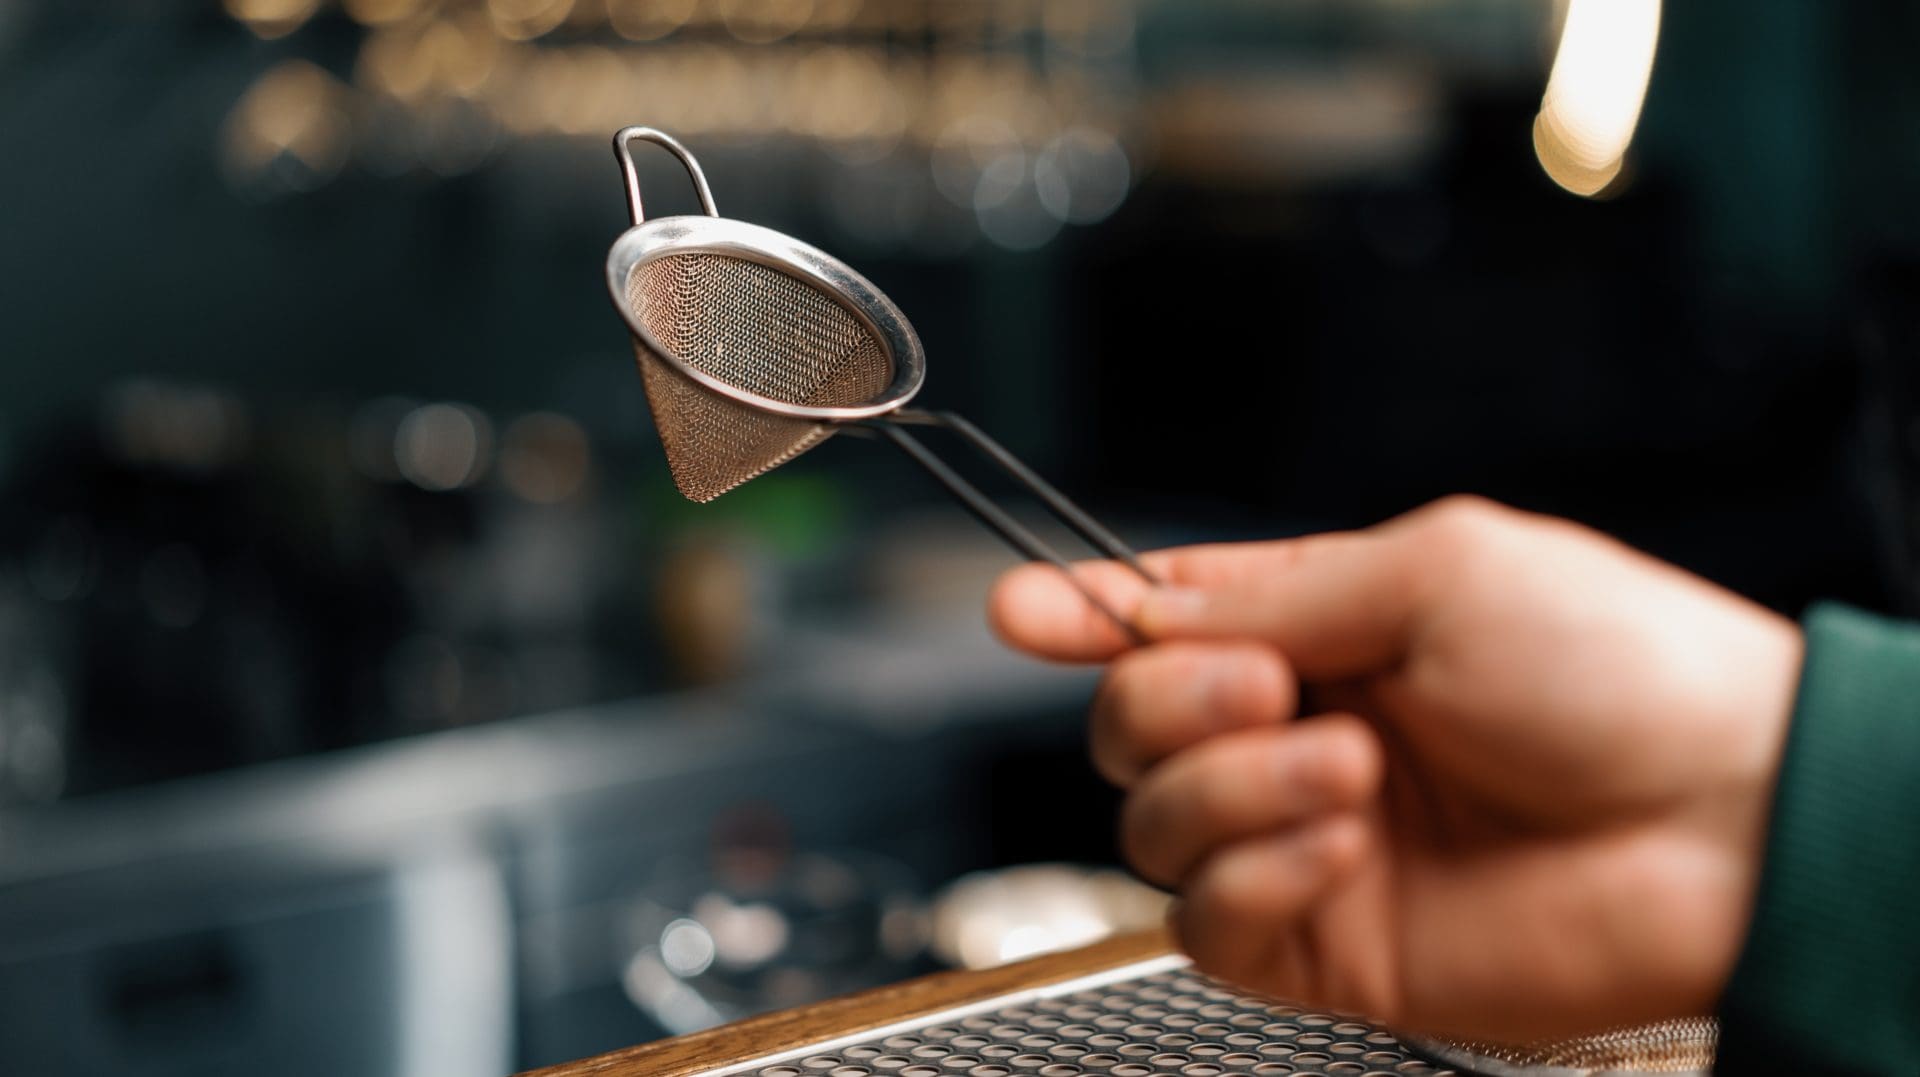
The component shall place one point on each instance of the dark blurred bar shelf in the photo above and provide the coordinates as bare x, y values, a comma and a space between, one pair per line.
466, 901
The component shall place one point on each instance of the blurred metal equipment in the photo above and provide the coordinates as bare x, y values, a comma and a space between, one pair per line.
1683, 1046
990, 918
995, 917
473, 901
1152, 1017
756, 347
766, 927
1158, 1016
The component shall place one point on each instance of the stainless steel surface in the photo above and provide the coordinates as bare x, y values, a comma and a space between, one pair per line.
632, 175
1162, 1019
1003, 523
1141, 1020
808, 266
1683, 1046
1069, 513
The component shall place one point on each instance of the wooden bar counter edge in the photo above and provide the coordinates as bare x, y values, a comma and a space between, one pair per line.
757, 1037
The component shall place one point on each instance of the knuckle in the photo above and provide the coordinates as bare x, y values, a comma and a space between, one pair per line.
1468, 505
1456, 531
1463, 513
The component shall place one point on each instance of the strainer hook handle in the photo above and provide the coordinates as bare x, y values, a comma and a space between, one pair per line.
1075, 517
1000, 521
632, 175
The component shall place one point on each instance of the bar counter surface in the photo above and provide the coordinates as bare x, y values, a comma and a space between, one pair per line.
786, 1030
1127, 1007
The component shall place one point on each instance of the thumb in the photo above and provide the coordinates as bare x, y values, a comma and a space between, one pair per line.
1336, 605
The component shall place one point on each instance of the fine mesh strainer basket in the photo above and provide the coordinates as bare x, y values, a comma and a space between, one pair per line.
755, 347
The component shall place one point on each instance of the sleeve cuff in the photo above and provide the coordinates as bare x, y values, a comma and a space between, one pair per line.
1829, 980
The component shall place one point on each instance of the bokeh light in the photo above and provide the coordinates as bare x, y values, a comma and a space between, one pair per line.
1595, 91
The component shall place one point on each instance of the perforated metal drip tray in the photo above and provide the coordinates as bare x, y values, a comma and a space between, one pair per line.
1150, 1019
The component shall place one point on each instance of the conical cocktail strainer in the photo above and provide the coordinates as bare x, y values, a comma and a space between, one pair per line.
755, 347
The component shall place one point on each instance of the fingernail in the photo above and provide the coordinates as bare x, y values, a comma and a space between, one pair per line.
1170, 607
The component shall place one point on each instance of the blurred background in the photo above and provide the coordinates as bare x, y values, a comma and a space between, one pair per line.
369, 700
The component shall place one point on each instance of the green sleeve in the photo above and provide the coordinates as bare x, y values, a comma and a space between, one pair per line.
1829, 981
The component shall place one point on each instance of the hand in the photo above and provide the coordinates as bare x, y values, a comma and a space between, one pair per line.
1530, 796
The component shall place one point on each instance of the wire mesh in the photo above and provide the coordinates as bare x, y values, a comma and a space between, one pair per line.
755, 328
1685, 1045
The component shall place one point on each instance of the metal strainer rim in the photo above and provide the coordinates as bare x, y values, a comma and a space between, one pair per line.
724, 237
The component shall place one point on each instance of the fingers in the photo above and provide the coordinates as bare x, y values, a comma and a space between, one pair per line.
1034, 608
1157, 700
1245, 915
1243, 784
1338, 605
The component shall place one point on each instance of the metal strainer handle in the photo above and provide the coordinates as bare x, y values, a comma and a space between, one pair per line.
632, 175
1002, 523
1069, 513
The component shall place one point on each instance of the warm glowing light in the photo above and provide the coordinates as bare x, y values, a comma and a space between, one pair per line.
444, 57
292, 112
759, 22
648, 20
524, 20
845, 95
835, 14
1594, 94
272, 18
992, 918
380, 12
461, 53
